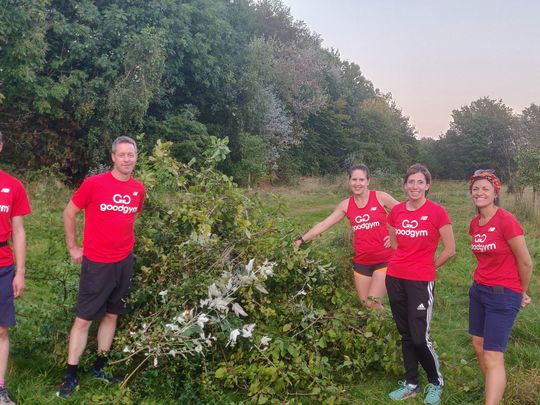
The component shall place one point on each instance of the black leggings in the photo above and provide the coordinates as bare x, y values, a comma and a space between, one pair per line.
411, 302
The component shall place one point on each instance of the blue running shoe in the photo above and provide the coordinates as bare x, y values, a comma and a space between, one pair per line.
404, 391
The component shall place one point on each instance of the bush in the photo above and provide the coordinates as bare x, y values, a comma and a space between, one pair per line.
222, 301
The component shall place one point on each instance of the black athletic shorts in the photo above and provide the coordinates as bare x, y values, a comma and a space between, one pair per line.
369, 270
103, 288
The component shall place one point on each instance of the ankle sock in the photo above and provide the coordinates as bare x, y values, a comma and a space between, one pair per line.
72, 370
100, 362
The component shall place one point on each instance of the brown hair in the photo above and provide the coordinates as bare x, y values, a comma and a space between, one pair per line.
417, 168
358, 166
123, 139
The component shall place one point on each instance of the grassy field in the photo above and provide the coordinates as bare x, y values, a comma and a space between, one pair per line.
313, 199
45, 311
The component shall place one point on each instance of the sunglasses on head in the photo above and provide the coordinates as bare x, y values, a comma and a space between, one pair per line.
484, 171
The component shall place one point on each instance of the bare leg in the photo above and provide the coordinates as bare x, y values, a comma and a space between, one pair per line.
495, 377
365, 289
77, 339
4, 350
478, 345
377, 288
107, 329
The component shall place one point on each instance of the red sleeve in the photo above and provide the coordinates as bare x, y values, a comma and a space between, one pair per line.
442, 217
471, 231
511, 227
21, 206
82, 196
390, 220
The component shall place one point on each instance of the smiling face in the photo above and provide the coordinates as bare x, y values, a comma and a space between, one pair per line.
416, 187
124, 158
483, 193
359, 182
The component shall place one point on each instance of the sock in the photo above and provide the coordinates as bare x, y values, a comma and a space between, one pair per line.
100, 362
72, 370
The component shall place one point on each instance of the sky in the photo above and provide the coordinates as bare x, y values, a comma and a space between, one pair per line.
435, 56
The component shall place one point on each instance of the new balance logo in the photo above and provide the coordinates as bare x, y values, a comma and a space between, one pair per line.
373, 208
135, 193
5, 190
424, 218
492, 229
421, 307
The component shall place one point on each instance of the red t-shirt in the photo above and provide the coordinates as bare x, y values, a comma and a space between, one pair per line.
13, 203
110, 207
369, 227
417, 234
497, 264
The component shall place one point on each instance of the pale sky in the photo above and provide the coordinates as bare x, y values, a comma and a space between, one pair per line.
435, 56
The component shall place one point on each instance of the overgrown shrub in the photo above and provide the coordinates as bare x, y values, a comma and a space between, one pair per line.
223, 302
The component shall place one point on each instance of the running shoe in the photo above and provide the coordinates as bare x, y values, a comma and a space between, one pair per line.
69, 384
4, 398
101, 374
433, 394
404, 391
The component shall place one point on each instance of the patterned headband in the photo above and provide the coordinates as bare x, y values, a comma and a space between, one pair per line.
486, 174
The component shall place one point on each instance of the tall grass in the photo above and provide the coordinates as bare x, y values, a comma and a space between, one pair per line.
45, 312
310, 201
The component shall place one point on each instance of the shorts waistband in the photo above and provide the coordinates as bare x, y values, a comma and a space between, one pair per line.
4, 243
497, 289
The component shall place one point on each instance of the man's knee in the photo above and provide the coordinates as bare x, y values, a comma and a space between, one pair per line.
109, 317
81, 324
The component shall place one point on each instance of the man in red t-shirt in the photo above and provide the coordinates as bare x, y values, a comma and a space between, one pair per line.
13, 206
110, 202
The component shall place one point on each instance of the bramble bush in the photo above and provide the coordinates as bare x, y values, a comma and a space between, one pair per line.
224, 305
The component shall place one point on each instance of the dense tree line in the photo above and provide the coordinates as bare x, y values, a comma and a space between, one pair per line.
488, 134
75, 74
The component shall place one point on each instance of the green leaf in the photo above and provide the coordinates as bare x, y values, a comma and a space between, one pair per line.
221, 372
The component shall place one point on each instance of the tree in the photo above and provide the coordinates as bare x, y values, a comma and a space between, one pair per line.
482, 134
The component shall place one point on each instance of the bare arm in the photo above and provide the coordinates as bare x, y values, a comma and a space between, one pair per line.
524, 263
449, 245
386, 200
19, 250
70, 230
392, 235
332, 219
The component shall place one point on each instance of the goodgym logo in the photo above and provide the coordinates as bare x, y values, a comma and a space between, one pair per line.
406, 224
121, 199
363, 223
478, 244
121, 204
362, 218
408, 228
480, 238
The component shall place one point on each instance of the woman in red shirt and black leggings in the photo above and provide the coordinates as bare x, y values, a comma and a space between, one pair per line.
416, 226
500, 280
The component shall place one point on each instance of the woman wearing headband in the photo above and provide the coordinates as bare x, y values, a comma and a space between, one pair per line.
366, 211
416, 226
501, 279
